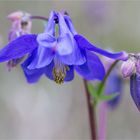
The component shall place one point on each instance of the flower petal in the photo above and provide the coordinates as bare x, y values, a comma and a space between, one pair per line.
75, 58
85, 44
70, 24
64, 45
34, 75
63, 28
19, 47
92, 69
67, 47
69, 74
49, 71
46, 40
42, 58
135, 89
50, 28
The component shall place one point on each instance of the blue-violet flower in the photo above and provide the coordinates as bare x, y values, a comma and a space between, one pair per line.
57, 55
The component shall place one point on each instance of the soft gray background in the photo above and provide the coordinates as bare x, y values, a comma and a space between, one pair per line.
49, 111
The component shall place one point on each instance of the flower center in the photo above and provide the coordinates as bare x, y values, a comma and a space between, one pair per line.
59, 71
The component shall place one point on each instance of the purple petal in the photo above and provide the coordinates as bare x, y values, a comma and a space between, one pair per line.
50, 28
69, 74
92, 69
67, 47
70, 24
34, 75
64, 45
76, 58
19, 47
135, 89
69, 52
49, 71
85, 44
63, 28
42, 58
46, 40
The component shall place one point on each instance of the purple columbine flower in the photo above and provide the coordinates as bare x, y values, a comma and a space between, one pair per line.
20, 25
57, 54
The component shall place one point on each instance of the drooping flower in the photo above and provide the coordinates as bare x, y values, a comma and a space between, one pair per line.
131, 69
20, 25
57, 55
128, 67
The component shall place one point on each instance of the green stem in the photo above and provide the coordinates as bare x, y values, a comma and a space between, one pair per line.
99, 92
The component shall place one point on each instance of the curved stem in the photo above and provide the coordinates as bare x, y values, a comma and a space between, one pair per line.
105, 78
91, 111
39, 17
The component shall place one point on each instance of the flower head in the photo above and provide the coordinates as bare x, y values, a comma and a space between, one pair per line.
131, 69
58, 55
21, 24
128, 67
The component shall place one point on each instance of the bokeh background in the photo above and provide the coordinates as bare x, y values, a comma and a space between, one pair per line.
49, 111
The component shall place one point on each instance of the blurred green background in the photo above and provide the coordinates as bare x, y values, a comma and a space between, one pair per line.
49, 111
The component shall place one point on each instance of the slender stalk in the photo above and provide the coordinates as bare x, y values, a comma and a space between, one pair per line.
91, 111
39, 17
105, 78
102, 121
103, 108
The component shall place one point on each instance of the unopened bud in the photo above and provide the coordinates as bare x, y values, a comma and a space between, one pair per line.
15, 15
135, 89
138, 66
128, 68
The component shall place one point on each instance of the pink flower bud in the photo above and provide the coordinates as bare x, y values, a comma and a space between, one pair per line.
128, 68
138, 66
21, 24
15, 15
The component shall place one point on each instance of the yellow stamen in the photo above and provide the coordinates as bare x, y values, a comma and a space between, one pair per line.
60, 74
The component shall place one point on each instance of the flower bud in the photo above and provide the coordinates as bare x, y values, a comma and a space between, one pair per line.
135, 89
128, 68
20, 25
15, 15
138, 66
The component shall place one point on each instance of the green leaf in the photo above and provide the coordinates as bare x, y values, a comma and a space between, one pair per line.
92, 91
108, 97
